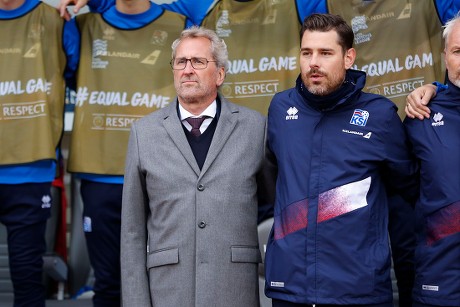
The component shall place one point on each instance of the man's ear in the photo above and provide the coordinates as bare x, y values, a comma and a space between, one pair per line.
444, 56
220, 76
350, 57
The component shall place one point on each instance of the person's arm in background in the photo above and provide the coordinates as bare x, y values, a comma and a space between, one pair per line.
194, 10
306, 8
417, 101
71, 42
447, 9
94, 6
71, 37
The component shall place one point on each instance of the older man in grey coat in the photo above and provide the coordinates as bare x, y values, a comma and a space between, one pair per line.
190, 197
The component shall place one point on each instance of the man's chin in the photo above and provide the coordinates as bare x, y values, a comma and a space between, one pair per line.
318, 90
188, 90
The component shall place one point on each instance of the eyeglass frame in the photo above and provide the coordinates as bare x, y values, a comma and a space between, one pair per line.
191, 63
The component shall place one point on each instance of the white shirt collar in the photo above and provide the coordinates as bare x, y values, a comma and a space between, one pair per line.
209, 111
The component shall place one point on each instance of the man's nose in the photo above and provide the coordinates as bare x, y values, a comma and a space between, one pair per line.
188, 67
314, 60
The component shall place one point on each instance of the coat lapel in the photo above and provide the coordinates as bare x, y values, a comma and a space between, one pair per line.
174, 128
225, 126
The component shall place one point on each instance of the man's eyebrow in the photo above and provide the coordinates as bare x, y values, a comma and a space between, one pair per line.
321, 49
454, 46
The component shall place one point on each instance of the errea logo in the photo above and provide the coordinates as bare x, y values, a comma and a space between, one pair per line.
292, 113
437, 118
46, 201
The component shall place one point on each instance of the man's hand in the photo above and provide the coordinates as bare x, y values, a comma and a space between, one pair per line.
63, 5
417, 100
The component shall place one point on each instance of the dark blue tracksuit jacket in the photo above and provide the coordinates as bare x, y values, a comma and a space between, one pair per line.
329, 243
436, 143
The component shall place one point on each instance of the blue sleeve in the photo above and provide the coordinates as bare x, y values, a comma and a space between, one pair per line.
401, 170
194, 10
99, 6
447, 9
71, 41
306, 8
439, 86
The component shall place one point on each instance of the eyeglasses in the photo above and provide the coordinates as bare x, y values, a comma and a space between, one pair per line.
197, 63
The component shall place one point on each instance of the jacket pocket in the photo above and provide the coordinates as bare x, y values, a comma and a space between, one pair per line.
163, 257
246, 254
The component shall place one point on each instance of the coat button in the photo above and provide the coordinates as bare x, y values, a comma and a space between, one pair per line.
202, 224
200, 187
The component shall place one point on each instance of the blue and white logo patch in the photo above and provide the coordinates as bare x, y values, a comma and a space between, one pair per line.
359, 118
87, 225
292, 113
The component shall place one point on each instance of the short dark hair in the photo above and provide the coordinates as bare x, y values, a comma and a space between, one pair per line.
328, 22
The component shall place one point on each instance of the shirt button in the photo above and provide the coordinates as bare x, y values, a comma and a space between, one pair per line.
202, 224
200, 187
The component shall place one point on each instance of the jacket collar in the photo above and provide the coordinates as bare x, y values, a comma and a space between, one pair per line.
226, 123
352, 85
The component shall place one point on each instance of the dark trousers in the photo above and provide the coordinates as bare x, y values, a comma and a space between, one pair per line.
24, 209
280, 303
401, 228
102, 225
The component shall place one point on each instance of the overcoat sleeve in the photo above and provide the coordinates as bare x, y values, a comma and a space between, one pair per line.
135, 283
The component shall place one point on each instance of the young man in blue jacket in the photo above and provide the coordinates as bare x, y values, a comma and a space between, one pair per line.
335, 148
436, 142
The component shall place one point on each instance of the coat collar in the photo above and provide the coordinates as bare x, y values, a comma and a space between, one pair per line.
225, 126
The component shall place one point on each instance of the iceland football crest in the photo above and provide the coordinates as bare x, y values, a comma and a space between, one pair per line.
359, 117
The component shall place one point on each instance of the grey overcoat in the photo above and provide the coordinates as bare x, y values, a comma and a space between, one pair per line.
189, 237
